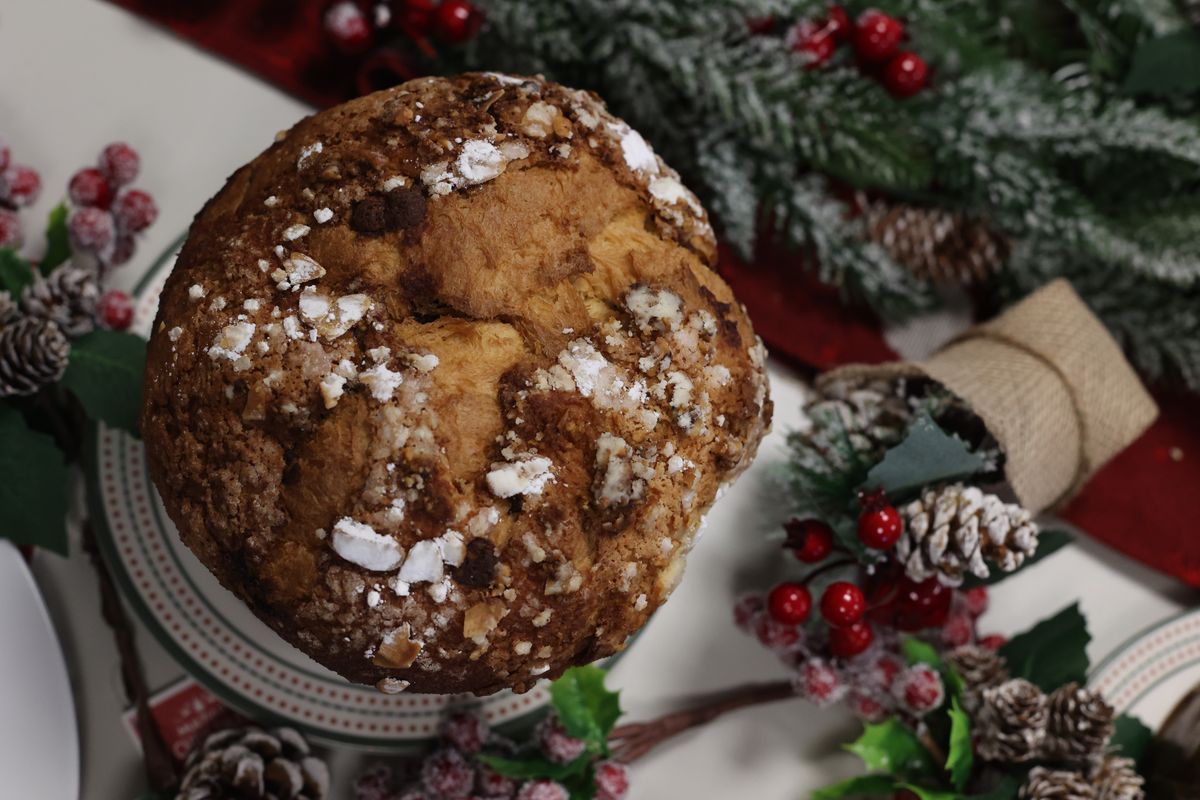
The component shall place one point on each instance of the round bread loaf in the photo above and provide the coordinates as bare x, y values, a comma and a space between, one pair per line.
443, 383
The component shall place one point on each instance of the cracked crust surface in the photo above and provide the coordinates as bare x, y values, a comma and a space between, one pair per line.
443, 383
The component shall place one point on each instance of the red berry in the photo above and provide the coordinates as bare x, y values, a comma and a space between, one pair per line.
976, 600
851, 640
89, 187
776, 635
417, 16
905, 75
746, 610
812, 41
457, 20
543, 790
90, 229
19, 185
446, 773
760, 25
843, 604
122, 250
880, 527
120, 164
810, 540
612, 780
920, 689
115, 310
493, 784
468, 732
877, 36
866, 706
5, 154
909, 606
839, 23
958, 630
347, 26
993, 641
135, 211
818, 682
10, 229
556, 744
790, 603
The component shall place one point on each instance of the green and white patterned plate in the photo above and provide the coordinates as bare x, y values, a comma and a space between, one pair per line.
216, 638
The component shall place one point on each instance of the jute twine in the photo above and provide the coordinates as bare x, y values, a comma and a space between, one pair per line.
1050, 384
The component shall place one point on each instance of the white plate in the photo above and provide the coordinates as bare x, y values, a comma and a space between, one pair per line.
39, 740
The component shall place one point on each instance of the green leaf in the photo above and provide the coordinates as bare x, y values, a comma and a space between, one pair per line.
33, 485
531, 768
862, 786
586, 709
1049, 542
58, 247
892, 747
15, 272
105, 373
960, 757
1166, 65
931, 794
1051, 653
927, 455
1132, 737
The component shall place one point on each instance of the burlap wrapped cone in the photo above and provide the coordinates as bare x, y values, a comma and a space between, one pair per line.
1050, 383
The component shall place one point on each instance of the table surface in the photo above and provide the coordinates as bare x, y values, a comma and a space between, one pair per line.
79, 74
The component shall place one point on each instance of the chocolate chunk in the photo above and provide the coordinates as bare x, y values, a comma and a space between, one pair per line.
370, 215
405, 208
478, 568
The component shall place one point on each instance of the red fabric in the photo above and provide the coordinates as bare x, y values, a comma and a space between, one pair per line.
1143, 503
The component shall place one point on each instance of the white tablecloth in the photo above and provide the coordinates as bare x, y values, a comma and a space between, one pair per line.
78, 74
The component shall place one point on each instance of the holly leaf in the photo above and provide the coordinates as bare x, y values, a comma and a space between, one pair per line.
893, 748
931, 794
926, 455
33, 485
862, 786
105, 373
1051, 653
1132, 737
533, 768
586, 709
15, 272
1049, 542
1166, 65
58, 246
960, 757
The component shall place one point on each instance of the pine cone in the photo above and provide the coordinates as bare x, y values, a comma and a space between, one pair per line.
33, 353
1079, 725
1053, 784
851, 420
1116, 779
251, 763
8, 308
934, 244
957, 529
1012, 722
979, 668
68, 297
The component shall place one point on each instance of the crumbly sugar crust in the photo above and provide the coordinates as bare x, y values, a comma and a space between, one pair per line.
444, 381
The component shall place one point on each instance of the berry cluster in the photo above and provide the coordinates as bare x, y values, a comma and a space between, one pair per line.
875, 37
455, 771
19, 186
353, 27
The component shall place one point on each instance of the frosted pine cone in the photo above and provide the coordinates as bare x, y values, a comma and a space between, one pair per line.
980, 669
33, 353
1079, 724
8, 308
1116, 779
1012, 722
851, 420
957, 529
1053, 784
67, 297
252, 763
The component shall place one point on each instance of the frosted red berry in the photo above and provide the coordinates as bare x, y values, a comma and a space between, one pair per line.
810, 540
556, 744
347, 26
789, 603
124, 246
851, 640
818, 682
446, 772
467, 732
612, 780
881, 672
867, 706
920, 689
812, 41
958, 630
877, 36
135, 211
778, 636
490, 783
839, 25
90, 229
993, 641
20, 185
880, 526
976, 600
843, 604
457, 20
543, 790
5, 154
746, 610
120, 163
905, 74
11, 234
89, 187
114, 309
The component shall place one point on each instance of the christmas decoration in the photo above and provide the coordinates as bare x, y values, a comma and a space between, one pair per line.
33, 353
1079, 724
254, 763
905, 74
1012, 718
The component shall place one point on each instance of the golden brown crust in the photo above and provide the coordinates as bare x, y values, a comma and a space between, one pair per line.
443, 382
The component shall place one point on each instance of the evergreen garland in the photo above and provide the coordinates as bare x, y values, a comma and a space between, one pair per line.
1025, 126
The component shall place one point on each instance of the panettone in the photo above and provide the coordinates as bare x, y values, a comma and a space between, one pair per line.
443, 383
